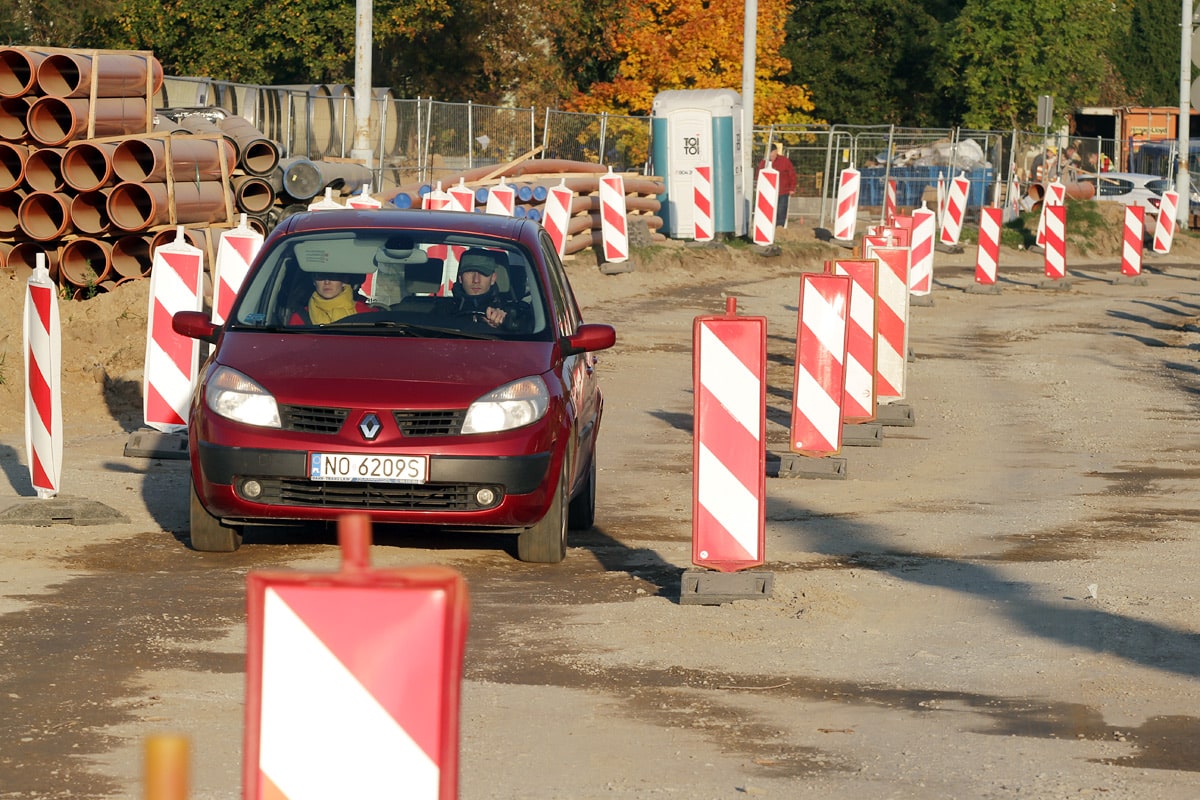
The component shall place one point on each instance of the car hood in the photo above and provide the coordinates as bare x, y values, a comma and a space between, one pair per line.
346, 371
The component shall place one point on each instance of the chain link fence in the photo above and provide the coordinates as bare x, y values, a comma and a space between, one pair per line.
421, 141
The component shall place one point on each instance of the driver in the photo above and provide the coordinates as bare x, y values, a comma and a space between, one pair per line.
331, 300
475, 293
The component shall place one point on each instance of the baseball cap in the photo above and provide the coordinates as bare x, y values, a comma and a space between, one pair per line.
477, 260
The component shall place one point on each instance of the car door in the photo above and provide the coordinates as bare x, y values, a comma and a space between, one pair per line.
578, 370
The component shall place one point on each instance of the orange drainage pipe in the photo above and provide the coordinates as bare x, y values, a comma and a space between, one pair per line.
12, 165
43, 169
257, 155
10, 206
144, 159
85, 261
4, 248
14, 113
89, 212
23, 259
87, 165
117, 74
54, 121
131, 256
133, 207
252, 194
18, 70
44, 216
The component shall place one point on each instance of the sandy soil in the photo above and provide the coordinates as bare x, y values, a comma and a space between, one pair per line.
996, 602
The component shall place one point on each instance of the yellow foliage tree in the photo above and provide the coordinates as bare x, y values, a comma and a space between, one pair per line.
696, 44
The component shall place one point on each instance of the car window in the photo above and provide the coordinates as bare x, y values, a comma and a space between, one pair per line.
400, 283
560, 288
1114, 186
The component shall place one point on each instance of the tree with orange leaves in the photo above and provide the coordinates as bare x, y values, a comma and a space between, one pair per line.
696, 44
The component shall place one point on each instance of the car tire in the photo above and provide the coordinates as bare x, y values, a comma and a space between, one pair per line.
546, 541
207, 532
581, 514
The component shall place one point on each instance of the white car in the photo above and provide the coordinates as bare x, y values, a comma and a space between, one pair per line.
1129, 188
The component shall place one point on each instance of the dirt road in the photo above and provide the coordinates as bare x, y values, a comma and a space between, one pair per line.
996, 602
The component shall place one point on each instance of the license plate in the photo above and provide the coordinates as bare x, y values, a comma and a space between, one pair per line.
372, 468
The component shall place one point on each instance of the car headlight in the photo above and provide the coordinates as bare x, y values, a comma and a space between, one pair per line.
513, 405
232, 395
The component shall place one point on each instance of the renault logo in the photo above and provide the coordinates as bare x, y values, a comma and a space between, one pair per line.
369, 427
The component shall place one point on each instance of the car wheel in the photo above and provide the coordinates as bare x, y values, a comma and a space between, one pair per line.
546, 542
207, 532
582, 512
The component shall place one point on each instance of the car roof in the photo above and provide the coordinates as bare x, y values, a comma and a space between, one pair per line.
515, 228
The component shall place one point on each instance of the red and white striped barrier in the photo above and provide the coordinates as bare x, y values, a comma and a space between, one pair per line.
859, 400
176, 273
1131, 248
956, 210
1164, 228
703, 228
846, 214
353, 679
1056, 242
729, 445
766, 204
462, 197
889, 201
557, 215
326, 203
892, 322
1056, 193
988, 257
502, 200
924, 228
822, 331
235, 251
436, 199
43, 383
613, 224
363, 199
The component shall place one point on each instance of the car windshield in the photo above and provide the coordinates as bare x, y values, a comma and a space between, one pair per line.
390, 283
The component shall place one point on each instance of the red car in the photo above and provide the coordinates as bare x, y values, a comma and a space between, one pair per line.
424, 367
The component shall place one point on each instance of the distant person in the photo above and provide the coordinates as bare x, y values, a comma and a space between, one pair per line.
1042, 168
779, 162
332, 299
1099, 162
1072, 162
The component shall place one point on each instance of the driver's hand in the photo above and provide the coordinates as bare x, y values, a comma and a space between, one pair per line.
495, 316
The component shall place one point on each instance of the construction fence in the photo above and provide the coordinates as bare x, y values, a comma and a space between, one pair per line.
422, 141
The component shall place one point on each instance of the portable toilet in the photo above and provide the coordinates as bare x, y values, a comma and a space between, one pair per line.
690, 128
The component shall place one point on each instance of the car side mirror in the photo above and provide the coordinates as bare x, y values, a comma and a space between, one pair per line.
195, 325
589, 338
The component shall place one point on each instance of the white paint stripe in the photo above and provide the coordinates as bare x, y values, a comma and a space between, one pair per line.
825, 322
322, 734
730, 381
817, 406
728, 500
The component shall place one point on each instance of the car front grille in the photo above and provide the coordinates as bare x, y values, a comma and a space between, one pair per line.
430, 423
380, 496
316, 419
312, 419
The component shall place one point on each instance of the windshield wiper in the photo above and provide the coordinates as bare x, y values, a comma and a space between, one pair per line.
428, 331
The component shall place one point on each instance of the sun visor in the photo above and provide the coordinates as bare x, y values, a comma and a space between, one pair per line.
337, 256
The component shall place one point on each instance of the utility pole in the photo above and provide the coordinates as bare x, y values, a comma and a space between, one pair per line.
1184, 210
363, 93
749, 50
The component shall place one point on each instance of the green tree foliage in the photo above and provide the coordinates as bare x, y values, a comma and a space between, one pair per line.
870, 61
54, 23
1001, 55
1147, 57
273, 42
